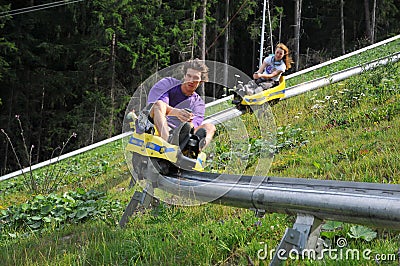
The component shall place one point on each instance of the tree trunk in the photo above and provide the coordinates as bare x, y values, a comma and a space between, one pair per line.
297, 20
216, 89
201, 90
367, 20
261, 57
342, 25
194, 34
112, 89
226, 43
203, 31
280, 25
253, 62
94, 123
373, 26
40, 127
96, 85
270, 28
10, 111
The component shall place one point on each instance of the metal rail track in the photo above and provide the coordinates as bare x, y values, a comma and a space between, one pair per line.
370, 204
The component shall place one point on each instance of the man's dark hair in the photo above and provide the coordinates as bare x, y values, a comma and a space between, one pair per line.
198, 65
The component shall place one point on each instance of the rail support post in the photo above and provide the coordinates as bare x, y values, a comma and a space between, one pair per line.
144, 198
303, 235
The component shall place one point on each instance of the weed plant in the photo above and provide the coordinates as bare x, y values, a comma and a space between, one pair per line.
49, 180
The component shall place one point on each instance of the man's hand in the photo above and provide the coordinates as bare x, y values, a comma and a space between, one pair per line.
182, 114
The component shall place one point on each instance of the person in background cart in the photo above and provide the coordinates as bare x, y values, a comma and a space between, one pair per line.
270, 71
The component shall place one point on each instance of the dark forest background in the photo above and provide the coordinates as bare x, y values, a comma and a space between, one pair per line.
73, 68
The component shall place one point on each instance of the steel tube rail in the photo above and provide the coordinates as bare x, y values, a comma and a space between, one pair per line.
370, 204
223, 116
64, 156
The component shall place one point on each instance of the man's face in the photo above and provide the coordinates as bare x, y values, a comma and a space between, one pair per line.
191, 81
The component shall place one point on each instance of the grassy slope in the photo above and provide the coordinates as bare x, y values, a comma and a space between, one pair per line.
355, 138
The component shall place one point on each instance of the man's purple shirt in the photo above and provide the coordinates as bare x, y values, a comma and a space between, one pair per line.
169, 91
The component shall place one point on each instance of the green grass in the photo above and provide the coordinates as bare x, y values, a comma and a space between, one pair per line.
352, 135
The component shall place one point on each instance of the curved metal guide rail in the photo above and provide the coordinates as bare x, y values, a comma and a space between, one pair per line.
354, 202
